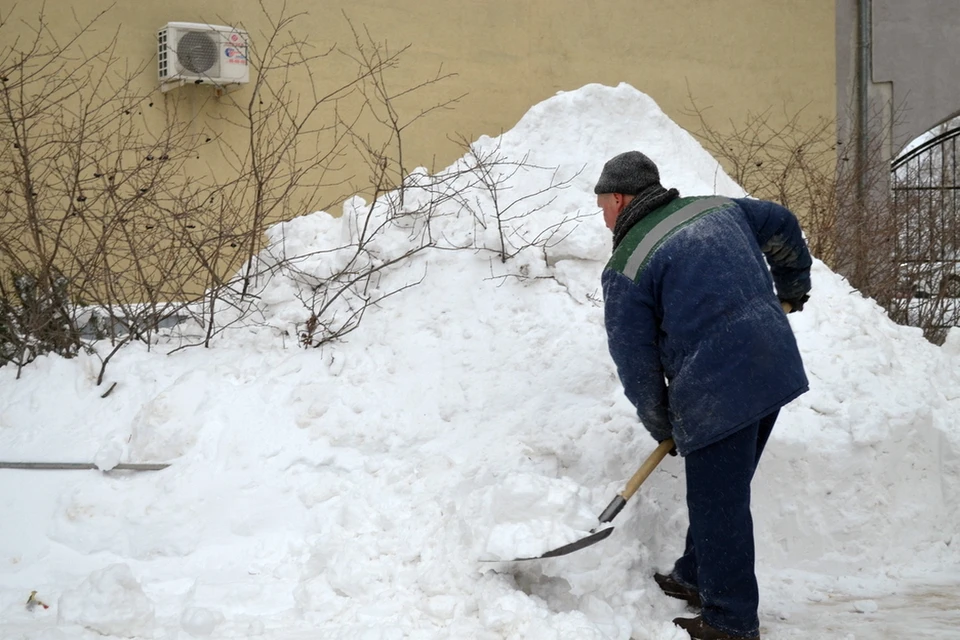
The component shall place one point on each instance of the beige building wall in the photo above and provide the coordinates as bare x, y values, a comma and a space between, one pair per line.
733, 56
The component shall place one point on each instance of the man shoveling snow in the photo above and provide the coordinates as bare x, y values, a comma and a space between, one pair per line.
706, 355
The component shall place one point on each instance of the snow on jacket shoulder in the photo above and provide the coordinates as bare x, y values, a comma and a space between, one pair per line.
693, 322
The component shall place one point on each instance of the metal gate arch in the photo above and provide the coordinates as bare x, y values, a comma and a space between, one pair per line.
925, 185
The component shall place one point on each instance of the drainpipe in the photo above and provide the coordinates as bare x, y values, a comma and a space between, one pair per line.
864, 76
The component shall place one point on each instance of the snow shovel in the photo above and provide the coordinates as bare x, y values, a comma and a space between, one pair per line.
615, 506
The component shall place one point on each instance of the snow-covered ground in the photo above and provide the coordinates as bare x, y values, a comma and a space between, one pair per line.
352, 491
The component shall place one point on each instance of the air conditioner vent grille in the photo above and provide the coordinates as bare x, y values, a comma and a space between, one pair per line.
197, 52
162, 53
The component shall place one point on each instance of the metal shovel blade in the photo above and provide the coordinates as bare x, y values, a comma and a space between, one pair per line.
593, 538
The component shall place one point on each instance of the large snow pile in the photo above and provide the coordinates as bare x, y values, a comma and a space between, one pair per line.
352, 491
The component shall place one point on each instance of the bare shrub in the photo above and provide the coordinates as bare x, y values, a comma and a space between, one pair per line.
492, 204
104, 234
85, 189
779, 157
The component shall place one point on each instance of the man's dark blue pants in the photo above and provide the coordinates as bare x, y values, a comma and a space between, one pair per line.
719, 555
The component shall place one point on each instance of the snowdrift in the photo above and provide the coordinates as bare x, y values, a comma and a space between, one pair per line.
350, 491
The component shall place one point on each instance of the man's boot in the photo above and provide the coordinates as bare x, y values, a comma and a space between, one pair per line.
674, 589
700, 630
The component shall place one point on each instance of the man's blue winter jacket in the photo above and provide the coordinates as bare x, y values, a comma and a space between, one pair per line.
693, 322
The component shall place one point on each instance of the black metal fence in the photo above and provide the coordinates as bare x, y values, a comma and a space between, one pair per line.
926, 203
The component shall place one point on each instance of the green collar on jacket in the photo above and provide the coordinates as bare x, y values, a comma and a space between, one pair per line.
640, 243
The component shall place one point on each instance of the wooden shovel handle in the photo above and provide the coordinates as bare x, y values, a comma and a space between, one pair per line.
647, 468
786, 306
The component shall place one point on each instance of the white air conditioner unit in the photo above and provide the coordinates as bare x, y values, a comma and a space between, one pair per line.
189, 52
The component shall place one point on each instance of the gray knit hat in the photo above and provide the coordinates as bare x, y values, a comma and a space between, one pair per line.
628, 173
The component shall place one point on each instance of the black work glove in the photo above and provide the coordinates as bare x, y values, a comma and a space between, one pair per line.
672, 451
796, 304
